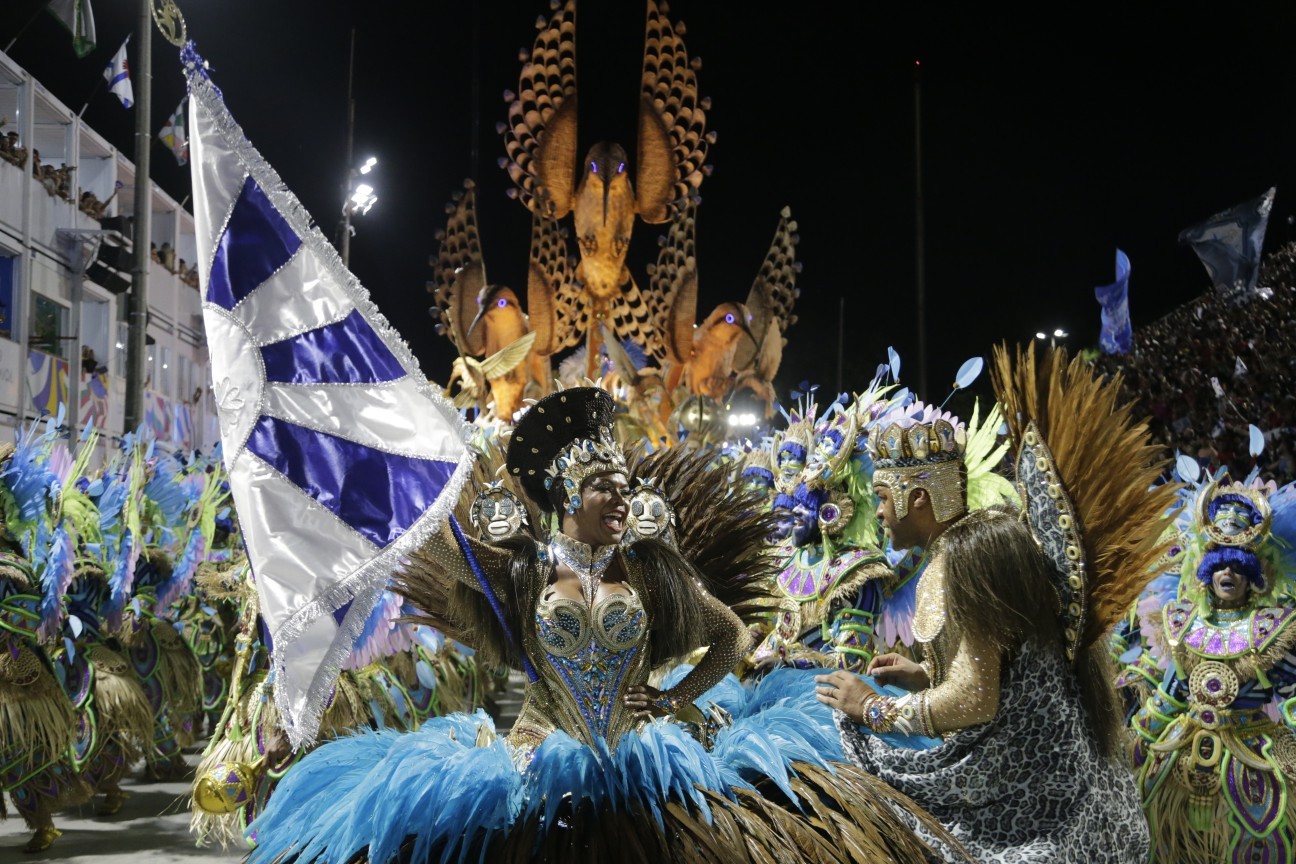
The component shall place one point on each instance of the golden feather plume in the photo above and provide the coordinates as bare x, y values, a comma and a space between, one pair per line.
1107, 463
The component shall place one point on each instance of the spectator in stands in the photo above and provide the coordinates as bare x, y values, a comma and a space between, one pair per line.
1213, 366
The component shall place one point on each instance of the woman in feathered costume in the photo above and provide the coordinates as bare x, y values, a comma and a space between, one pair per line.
36, 715
1012, 615
164, 665
587, 773
1214, 767
113, 724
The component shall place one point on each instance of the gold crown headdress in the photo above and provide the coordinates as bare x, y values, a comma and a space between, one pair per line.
909, 453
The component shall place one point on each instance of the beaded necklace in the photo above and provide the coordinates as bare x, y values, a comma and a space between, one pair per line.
589, 563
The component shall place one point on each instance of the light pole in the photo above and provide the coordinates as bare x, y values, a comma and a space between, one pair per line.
137, 339
360, 197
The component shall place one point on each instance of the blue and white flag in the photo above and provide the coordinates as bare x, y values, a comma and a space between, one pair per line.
1117, 336
1229, 243
118, 77
342, 458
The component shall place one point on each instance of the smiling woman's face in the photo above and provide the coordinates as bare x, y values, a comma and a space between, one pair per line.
601, 519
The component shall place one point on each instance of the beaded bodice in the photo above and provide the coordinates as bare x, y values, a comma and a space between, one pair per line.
591, 650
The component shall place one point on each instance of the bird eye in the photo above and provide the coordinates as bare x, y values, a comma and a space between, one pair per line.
729, 318
501, 303
594, 167
621, 168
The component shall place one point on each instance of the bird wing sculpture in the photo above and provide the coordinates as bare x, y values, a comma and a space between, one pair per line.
459, 274
481, 319
770, 301
540, 140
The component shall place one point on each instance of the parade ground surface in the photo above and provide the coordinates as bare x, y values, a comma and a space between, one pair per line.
152, 826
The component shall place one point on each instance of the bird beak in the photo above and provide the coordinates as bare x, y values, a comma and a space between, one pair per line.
607, 190
487, 300
745, 324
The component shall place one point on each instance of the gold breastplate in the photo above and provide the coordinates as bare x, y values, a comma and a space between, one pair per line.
592, 654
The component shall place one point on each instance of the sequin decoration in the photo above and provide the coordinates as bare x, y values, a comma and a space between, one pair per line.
591, 650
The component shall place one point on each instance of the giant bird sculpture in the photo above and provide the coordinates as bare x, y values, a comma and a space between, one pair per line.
483, 320
541, 142
703, 356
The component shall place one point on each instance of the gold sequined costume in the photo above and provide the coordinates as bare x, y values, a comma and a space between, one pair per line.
581, 777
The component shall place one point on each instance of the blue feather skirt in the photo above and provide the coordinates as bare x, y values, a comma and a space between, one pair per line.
771, 785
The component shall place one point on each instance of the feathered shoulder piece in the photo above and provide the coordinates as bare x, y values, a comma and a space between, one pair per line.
719, 527
1088, 473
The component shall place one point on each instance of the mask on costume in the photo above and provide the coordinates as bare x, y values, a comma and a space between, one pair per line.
497, 513
650, 515
802, 513
1234, 521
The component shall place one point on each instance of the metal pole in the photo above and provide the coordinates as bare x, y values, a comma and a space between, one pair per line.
920, 292
137, 344
474, 135
346, 188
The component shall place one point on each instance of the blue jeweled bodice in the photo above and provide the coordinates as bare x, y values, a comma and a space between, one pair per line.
591, 649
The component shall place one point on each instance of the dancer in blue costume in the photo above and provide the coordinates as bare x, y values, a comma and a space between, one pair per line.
599, 766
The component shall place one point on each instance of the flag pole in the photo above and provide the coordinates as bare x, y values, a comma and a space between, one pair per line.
920, 240
93, 93
30, 21
137, 342
350, 169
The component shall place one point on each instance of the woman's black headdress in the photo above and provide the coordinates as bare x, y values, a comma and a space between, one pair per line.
562, 439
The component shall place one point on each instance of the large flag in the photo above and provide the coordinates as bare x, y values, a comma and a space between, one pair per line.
173, 134
78, 18
342, 457
1229, 243
1117, 336
118, 77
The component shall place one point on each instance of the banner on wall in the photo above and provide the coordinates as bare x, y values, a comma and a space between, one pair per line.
93, 409
47, 381
182, 429
157, 415
10, 368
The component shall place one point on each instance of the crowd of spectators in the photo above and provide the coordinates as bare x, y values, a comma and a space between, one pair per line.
1216, 365
57, 182
166, 256
10, 150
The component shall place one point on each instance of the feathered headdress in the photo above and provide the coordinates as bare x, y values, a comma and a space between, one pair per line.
1089, 475
30, 487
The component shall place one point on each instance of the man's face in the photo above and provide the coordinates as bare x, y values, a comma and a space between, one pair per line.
899, 531
804, 522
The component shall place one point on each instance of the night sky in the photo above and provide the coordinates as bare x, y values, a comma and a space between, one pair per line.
1049, 140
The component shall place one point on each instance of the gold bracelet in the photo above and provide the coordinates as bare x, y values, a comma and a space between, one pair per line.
880, 713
